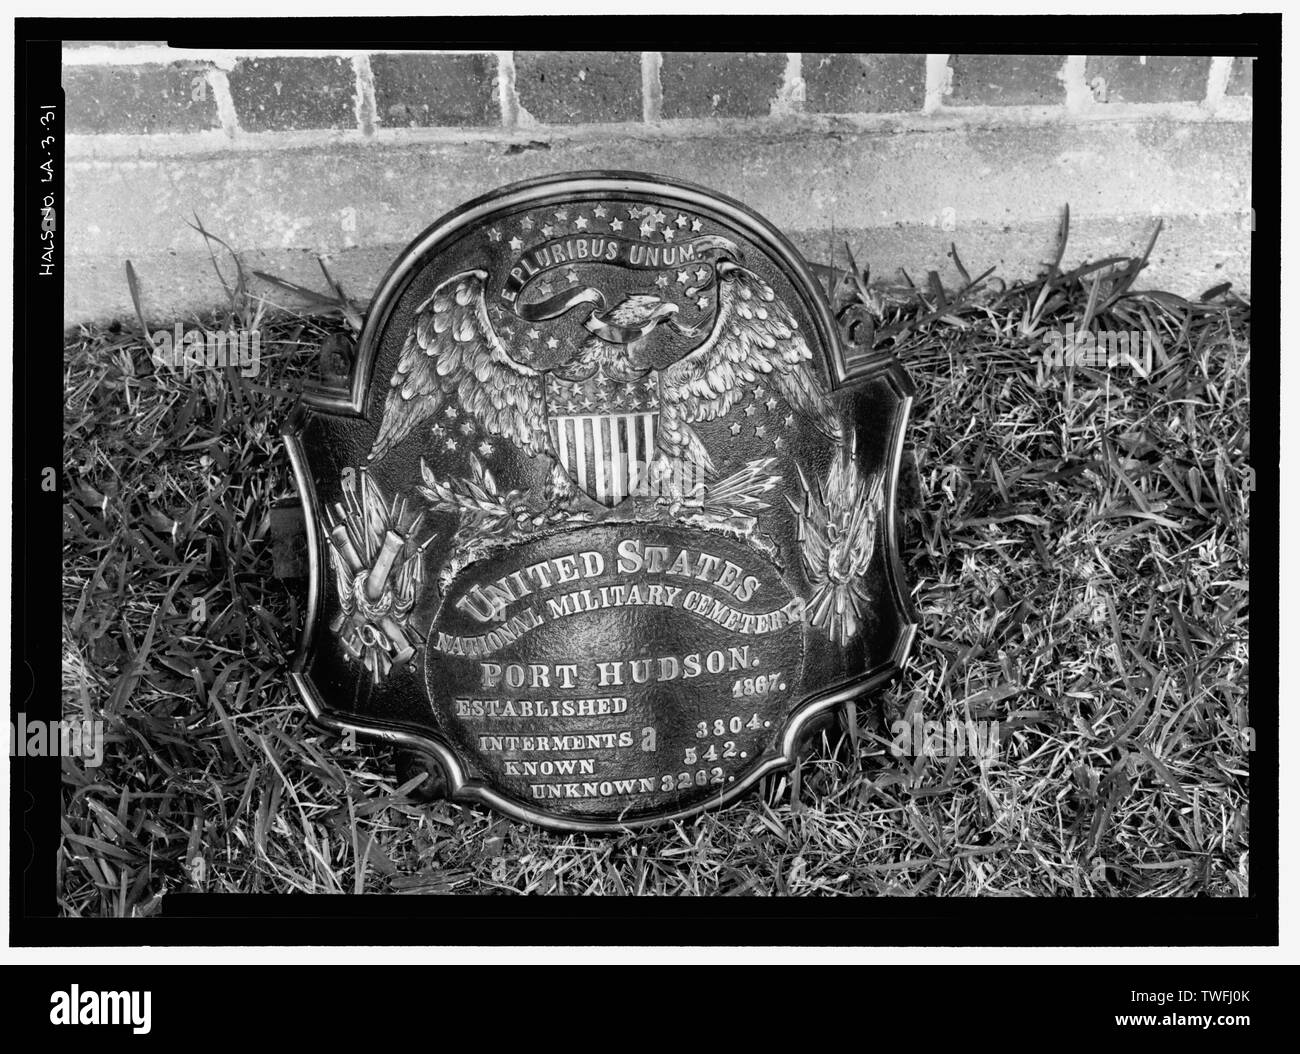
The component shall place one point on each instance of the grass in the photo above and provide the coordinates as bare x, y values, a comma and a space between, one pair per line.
1078, 540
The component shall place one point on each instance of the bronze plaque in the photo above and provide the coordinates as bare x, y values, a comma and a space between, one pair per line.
603, 515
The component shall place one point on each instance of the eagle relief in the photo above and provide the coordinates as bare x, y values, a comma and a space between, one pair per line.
608, 513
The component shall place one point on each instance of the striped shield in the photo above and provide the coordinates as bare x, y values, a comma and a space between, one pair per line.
603, 431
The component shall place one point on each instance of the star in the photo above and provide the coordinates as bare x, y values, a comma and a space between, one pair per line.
599, 212
669, 234
658, 216
526, 223
634, 211
467, 428
759, 392
552, 343
760, 431
616, 225
485, 448
533, 334
450, 444
587, 404
789, 420
734, 428
451, 412
581, 223
571, 275
778, 442
651, 397
494, 234
701, 274
561, 214
696, 225
771, 405
603, 383
661, 281
438, 430
546, 289
647, 229
749, 410
547, 231
680, 221
683, 277
703, 302
516, 243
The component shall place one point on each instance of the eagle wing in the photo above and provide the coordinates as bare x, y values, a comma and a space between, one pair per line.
754, 336
452, 350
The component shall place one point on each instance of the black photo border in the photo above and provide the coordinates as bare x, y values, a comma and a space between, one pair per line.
474, 920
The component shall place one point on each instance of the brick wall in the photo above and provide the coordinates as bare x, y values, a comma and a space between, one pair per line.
287, 156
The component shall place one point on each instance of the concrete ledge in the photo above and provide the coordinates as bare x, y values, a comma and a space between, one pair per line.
898, 197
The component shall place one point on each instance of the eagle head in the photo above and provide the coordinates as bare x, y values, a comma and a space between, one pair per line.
630, 321
619, 336
641, 311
